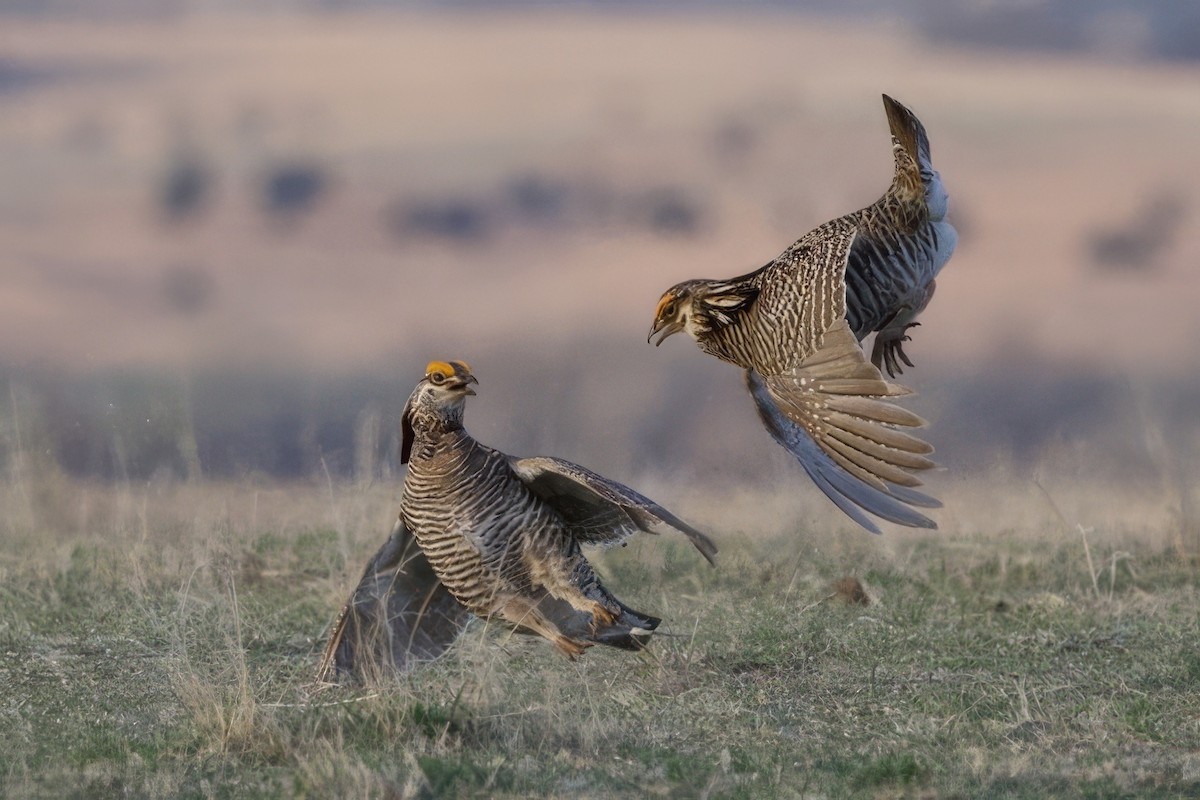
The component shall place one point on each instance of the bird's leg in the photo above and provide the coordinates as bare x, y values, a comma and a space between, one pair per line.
569, 579
524, 614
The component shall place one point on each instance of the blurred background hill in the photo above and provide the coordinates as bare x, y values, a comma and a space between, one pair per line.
230, 239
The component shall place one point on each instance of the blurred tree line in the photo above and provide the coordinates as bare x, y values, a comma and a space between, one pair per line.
136, 425
227, 423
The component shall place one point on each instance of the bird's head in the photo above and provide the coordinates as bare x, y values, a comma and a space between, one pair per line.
437, 402
698, 307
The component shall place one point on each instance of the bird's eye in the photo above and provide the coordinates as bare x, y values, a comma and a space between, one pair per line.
669, 310
437, 378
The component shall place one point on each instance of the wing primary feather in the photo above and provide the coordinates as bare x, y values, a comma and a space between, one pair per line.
887, 437
848, 508
886, 455
590, 502
914, 498
847, 492
850, 477
876, 410
878, 470
398, 616
879, 503
864, 387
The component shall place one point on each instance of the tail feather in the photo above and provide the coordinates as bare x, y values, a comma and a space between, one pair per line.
909, 132
914, 162
399, 616
630, 631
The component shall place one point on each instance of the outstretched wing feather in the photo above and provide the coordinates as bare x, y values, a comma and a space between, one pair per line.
888, 437
599, 510
846, 441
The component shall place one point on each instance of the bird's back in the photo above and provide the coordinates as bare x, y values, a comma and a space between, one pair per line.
799, 296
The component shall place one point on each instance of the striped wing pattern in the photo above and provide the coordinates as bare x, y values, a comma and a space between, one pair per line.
832, 413
599, 510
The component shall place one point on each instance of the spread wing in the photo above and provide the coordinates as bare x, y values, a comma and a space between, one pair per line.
399, 616
830, 411
599, 511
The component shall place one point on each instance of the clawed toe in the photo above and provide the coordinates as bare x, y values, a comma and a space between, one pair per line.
889, 354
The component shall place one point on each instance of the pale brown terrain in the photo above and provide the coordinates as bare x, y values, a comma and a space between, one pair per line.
1039, 152
1034, 358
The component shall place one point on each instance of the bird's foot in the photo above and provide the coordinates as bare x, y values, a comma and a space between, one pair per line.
570, 648
602, 617
888, 352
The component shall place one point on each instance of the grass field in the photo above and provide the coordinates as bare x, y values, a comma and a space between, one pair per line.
159, 638
160, 642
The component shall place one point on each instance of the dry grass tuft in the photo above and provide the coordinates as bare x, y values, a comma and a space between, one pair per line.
215, 688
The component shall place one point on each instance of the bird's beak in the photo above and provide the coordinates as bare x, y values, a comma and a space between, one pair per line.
465, 382
666, 327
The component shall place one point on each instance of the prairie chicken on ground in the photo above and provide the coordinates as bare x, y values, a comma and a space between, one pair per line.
486, 533
795, 326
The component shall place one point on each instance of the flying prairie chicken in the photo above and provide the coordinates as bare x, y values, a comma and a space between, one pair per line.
485, 533
796, 323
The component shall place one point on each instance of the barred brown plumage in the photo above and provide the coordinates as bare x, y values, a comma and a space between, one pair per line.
485, 533
795, 325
